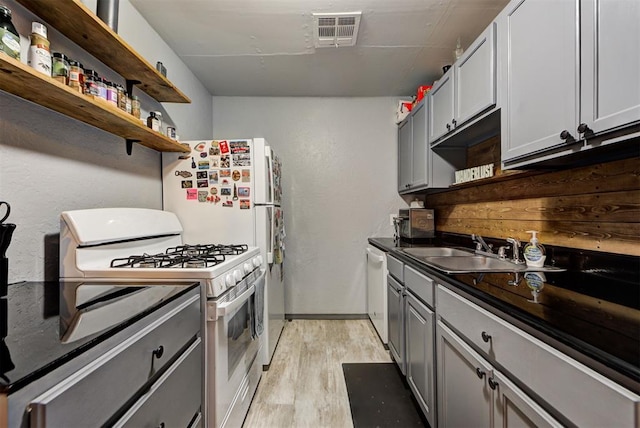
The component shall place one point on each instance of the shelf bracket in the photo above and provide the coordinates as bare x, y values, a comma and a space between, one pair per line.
130, 145
130, 84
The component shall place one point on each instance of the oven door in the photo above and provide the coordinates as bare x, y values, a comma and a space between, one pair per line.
233, 344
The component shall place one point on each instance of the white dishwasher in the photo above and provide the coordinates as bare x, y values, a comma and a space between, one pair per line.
377, 290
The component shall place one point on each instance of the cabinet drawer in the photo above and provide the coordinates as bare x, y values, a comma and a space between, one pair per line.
120, 372
419, 284
175, 399
583, 396
394, 266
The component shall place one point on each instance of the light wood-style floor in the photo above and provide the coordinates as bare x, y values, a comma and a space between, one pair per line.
304, 386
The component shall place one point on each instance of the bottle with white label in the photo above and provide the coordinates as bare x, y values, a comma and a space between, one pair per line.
533, 252
39, 55
9, 37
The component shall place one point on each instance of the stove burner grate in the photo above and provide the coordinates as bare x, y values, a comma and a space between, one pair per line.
182, 256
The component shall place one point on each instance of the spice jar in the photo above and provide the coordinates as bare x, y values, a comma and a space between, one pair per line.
135, 107
91, 86
9, 37
112, 94
60, 68
153, 122
39, 55
76, 76
102, 88
128, 108
122, 97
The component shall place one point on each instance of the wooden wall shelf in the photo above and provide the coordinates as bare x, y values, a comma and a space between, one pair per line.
82, 26
21, 80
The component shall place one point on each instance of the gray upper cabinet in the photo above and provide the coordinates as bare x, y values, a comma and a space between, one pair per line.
412, 150
404, 154
576, 79
466, 90
420, 167
610, 49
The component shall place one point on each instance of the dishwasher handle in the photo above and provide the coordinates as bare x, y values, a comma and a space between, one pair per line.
374, 257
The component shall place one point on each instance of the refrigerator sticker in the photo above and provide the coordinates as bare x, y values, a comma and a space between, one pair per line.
243, 192
213, 190
225, 173
225, 182
246, 175
242, 160
225, 191
225, 162
203, 164
227, 203
187, 184
202, 184
213, 177
200, 147
245, 204
192, 194
183, 174
202, 196
224, 147
201, 175
213, 199
193, 163
203, 155
235, 175
240, 147
215, 162
214, 150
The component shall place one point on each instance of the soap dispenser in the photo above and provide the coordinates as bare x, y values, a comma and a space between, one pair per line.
534, 253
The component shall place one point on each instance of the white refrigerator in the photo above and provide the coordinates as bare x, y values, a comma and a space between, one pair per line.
229, 192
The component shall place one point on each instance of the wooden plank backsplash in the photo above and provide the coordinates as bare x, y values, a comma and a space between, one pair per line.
592, 208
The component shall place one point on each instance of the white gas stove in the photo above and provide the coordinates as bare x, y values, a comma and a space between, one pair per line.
143, 246
112, 244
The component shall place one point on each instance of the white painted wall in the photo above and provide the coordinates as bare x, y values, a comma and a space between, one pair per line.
340, 185
50, 163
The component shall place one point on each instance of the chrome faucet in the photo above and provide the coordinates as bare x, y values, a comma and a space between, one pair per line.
481, 246
515, 244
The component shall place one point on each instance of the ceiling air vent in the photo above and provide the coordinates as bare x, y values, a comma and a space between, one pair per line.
336, 29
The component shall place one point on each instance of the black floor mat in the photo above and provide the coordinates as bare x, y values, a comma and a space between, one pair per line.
378, 397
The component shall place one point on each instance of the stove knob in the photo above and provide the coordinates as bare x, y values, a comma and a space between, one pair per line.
237, 274
229, 281
247, 268
257, 261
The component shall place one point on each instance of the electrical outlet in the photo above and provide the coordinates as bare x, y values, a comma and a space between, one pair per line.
392, 218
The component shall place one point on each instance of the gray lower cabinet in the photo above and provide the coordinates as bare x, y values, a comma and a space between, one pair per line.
569, 74
471, 392
474, 341
421, 355
395, 309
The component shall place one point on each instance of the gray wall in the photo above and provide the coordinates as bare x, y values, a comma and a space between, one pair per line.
50, 163
339, 167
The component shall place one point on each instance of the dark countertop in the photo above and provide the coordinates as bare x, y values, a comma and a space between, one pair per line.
591, 310
30, 330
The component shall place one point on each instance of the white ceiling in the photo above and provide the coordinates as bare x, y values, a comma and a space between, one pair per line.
266, 47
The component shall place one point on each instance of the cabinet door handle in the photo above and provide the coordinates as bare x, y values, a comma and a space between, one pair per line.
492, 383
583, 128
454, 122
161, 425
158, 352
480, 373
564, 135
448, 127
485, 337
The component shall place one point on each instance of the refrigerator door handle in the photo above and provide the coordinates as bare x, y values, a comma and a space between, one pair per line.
269, 178
271, 238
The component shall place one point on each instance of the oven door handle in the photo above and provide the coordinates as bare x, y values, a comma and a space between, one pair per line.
223, 309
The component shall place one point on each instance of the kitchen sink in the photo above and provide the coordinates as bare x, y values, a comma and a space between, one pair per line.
456, 260
421, 252
477, 263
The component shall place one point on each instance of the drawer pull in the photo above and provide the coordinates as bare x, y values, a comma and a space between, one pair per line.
158, 352
486, 337
480, 373
161, 425
492, 383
